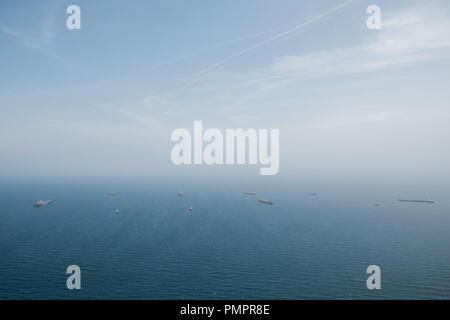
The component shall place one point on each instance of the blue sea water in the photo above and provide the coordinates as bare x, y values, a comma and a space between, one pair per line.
229, 247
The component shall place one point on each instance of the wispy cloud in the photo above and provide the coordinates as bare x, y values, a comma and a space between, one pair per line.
41, 38
405, 37
25, 39
408, 36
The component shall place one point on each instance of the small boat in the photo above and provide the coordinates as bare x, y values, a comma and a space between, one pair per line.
250, 193
41, 203
180, 194
265, 201
376, 204
116, 211
190, 209
111, 193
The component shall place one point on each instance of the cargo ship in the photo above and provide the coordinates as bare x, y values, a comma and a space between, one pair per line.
265, 201
250, 193
413, 200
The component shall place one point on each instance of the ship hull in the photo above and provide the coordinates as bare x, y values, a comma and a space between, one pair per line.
417, 201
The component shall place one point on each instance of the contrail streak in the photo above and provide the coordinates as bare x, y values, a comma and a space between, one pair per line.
223, 61
274, 38
217, 46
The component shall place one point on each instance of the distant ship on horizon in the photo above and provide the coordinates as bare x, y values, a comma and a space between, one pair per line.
265, 201
414, 200
249, 193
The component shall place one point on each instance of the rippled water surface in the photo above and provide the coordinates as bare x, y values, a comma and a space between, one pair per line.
229, 247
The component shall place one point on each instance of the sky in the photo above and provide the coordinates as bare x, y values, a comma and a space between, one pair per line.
103, 100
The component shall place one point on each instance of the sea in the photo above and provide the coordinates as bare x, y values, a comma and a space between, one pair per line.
230, 246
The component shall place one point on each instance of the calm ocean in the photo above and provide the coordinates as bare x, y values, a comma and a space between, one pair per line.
229, 247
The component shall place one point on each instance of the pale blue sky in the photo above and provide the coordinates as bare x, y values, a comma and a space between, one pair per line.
105, 98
